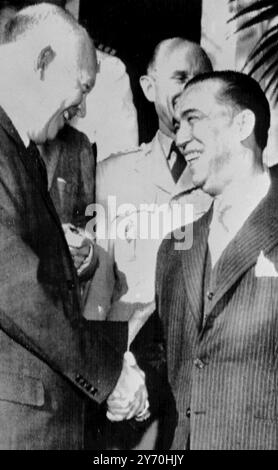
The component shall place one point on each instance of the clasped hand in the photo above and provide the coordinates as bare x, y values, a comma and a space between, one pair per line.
130, 397
80, 246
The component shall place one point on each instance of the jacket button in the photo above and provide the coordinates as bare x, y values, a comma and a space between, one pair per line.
198, 363
188, 413
210, 295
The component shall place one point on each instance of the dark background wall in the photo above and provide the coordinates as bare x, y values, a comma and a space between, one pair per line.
133, 28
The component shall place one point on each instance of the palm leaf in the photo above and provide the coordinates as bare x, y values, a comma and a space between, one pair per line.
265, 15
270, 83
269, 68
263, 60
255, 6
264, 45
264, 54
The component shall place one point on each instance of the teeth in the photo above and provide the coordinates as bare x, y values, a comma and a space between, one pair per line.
66, 115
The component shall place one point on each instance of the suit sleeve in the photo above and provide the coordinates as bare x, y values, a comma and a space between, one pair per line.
88, 355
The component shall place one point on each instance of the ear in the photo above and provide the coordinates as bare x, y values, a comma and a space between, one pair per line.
245, 123
46, 56
148, 86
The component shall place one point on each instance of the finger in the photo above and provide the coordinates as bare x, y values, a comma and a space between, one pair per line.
119, 407
114, 395
144, 417
114, 418
142, 403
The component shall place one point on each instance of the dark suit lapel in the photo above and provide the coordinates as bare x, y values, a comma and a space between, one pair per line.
28, 164
259, 233
193, 262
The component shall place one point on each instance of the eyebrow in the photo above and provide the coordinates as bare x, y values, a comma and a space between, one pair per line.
190, 111
180, 73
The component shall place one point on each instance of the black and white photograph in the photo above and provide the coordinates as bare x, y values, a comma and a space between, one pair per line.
138, 227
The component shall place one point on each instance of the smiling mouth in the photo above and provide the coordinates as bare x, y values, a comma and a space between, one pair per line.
70, 113
192, 155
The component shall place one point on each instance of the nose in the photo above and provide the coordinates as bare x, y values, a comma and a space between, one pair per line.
184, 134
82, 108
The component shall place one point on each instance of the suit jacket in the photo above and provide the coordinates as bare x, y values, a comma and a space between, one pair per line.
125, 279
51, 359
71, 174
222, 353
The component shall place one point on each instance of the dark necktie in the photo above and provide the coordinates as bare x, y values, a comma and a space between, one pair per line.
179, 164
38, 163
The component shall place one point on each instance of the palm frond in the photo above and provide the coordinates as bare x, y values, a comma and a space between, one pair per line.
269, 69
253, 7
270, 83
266, 15
263, 58
264, 45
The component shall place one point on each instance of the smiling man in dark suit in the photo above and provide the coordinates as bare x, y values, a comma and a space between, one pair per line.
218, 301
52, 361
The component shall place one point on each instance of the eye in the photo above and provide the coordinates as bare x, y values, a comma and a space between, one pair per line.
176, 125
192, 119
181, 78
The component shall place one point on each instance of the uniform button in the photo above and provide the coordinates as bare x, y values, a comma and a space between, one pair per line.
198, 363
210, 295
188, 413
93, 391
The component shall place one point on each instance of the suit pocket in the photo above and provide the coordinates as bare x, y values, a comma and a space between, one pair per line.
21, 389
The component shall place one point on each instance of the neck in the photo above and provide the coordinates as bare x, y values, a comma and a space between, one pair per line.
239, 188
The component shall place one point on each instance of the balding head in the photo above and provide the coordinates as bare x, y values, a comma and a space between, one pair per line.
174, 62
165, 48
50, 62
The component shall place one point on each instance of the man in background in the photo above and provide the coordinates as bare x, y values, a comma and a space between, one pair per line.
154, 173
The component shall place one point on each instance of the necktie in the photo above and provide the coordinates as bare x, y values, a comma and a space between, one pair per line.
179, 164
219, 235
38, 163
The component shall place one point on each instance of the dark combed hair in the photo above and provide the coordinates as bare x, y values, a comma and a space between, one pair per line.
242, 91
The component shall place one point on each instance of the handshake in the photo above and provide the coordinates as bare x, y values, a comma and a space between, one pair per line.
130, 397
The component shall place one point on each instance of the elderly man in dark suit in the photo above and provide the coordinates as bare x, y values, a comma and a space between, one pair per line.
218, 300
52, 361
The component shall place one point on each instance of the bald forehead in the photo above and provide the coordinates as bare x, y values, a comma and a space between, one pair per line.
171, 47
86, 60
